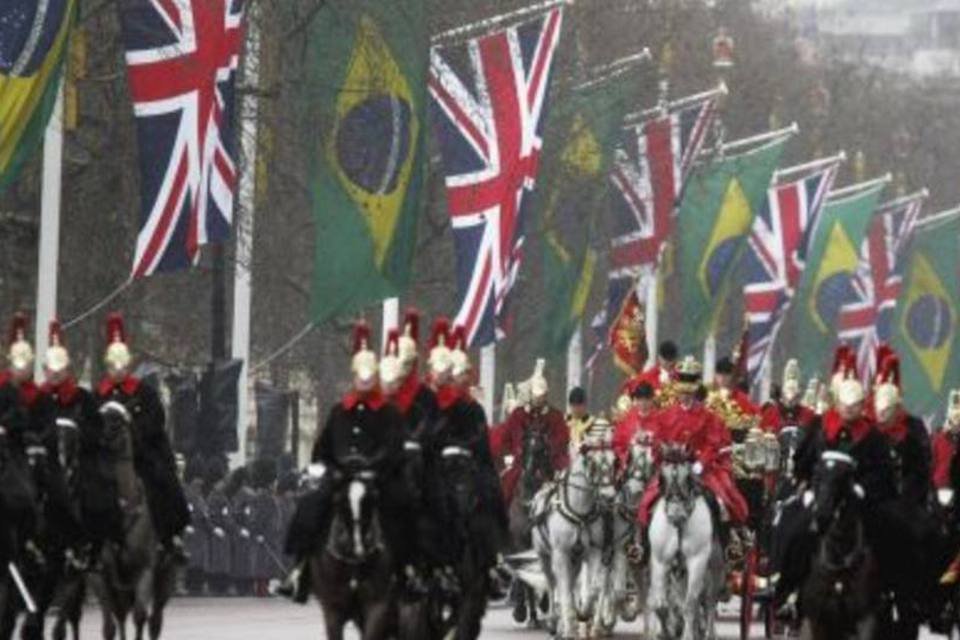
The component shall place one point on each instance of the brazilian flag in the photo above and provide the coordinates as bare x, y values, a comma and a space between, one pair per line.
826, 285
364, 124
713, 225
925, 323
33, 45
585, 128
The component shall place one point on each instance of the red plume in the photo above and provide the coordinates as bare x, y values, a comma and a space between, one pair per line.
889, 371
361, 336
393, 343
458, 338
440, 333
116, 332
841, 358
56, 334
18, 327
411, 323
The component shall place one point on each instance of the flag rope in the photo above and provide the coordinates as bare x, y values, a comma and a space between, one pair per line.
289, 344
99, 305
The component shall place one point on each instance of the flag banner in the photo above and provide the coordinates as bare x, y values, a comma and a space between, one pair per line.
651, 165
583, 129
925, 325
489, 95
182, 59
627, 338
715, 216
774, 260
866, 319
33, 44
365, 128
827, 282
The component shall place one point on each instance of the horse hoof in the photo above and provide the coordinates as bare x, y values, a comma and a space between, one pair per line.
520, 613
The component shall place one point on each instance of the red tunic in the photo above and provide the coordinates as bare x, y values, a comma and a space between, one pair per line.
944, 448
651, 376
628, 428
774, 417
707, 437
507, 439
744, 403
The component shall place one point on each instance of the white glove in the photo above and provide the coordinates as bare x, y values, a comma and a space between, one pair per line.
244, 533
698, 468
219, 532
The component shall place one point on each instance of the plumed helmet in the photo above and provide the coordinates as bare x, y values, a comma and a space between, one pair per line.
689, 374
19, 352
538, 381
57, 358
364, 362
849, 392
812, 393
391, 369
953, 409
409, 337
439, 360
509, 401
523, 393
459, 359
791, 380
844, 367
117, 356
887, 393
883, 351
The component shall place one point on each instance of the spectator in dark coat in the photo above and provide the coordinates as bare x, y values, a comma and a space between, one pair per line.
197, 534
222, 528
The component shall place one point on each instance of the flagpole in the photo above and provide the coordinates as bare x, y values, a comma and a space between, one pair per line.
766, 376
243, 264
49, 225
709, 358
922, 194
633, 119
488, 377
651, 319
391, 319
860, 186
758, 139
936, 219
575, 360
495, 21
613, 69
809, 167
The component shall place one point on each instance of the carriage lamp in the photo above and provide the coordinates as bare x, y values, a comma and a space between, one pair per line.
771, 447
754, 451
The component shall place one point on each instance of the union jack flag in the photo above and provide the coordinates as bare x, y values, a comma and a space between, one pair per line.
778, 245
488, 117
866, 320
182, 57
649, 172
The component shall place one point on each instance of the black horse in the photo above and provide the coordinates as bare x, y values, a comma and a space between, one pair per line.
842, 595
352, 576
71, 589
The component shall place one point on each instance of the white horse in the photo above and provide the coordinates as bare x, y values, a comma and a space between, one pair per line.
568, 537
686, 562
624, 583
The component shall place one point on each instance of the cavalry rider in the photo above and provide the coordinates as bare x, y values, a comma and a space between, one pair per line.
415, 400
362, 425
578, 416
660, 374
725, 384
509, 437
638, 422
787, 410
945, 443
152, 453
462, 425
76, 408
689, 422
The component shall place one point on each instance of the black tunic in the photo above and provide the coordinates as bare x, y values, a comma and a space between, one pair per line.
912, 459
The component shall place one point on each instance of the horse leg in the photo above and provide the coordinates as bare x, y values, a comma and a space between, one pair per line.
562, 571
697, 565
109, 625
333, 622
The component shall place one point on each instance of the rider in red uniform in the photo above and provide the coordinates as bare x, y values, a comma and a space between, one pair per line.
660, 373
507, 439
787, 410
640, 419
945, 443
689, 422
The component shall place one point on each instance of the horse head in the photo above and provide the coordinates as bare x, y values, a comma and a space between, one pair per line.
68, 444
835, 491
789, 441
679, 485
118, 440
458, 472
356, 534
537, 461
639, 469
600, 464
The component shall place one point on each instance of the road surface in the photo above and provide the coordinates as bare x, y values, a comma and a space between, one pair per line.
274, 619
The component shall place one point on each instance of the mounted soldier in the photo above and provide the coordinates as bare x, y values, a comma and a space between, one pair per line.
533, 424
153, 455
945, 443
787, 410
363, 428
660, 374
638, 423
579, 420
94, 485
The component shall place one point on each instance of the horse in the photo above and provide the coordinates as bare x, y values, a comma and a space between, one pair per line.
536, 470
352, 575
686, 561
136, 576
842, 595
625, 574
569, 537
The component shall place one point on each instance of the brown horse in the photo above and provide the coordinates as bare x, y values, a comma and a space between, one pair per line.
136, 578
352, 576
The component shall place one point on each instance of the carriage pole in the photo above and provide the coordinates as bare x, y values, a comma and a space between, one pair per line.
391, 320
575, 359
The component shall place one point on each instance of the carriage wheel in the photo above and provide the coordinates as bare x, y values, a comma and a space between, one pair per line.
747, 586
